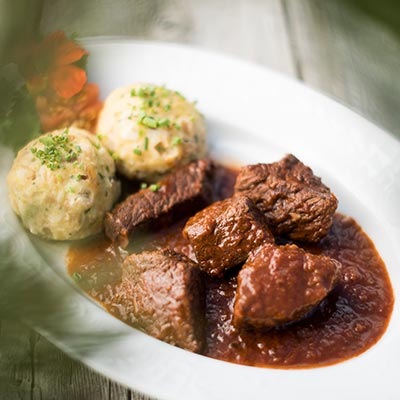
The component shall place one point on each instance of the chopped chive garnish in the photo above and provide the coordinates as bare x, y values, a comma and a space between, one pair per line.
164, 122
150, 122
138, 152
141, 116
143, 185
57, 149
77, 276
146, 143
180, 95
176, 140
133, 92
47, 140
155, 187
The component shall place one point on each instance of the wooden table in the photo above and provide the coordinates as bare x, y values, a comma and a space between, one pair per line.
341, 50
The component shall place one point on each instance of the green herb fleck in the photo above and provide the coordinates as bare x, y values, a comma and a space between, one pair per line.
138, 152
57, 149
147, 91
176, 140
77, 276
143, 185
146, 143
164, 122
150, 122
141, 116
155, 187
180, 95
133, 92
47, 140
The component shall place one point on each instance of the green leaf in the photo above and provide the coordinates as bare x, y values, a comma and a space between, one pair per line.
82, 62
19, 121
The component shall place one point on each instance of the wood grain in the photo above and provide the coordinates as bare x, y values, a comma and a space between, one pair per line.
16, 367
252, 29
31, 368
349, 56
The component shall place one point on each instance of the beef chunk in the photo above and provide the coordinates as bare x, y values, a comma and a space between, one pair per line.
280, 284
295, 201
186, 190
162, 293
223, 234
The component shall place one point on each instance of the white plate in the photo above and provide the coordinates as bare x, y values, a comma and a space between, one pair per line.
253, 115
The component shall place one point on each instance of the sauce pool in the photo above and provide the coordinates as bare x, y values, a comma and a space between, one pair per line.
345, 324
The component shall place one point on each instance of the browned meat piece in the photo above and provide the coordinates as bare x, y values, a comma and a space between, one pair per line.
162, 293
223, 234
280, 284
186, 190
295, 201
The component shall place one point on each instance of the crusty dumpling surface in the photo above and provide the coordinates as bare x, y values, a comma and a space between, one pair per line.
62, 184
151, 130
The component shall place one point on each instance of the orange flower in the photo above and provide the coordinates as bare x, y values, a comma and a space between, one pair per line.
53, 61
56, 79
81, 110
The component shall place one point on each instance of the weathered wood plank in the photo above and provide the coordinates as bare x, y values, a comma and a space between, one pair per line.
349, 55
251, 29
31, 368
16, 364
254, 30
18, 20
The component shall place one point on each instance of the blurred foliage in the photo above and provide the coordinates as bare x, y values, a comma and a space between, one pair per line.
19, 21
386, 12
19, 121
